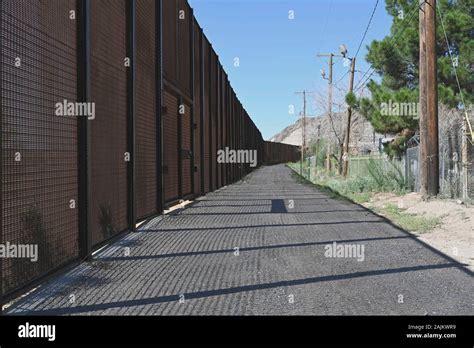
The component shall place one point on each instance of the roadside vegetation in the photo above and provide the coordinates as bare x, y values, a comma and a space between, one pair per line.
359, 189
377, 176
409, 222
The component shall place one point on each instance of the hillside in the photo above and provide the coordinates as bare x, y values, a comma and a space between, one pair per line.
363, 137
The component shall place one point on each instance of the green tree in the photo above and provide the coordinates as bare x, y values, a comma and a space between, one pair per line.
396, 60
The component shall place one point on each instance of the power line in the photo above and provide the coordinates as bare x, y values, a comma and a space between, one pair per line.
327, 19
401, 29
362, 82
345, 74
393, 46
367, 28
363, 37
455, 70
340, 79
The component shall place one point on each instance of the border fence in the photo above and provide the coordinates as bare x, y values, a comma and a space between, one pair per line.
279, 152
146, 105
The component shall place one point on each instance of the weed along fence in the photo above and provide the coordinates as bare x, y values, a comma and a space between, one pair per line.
371, 173
111, 111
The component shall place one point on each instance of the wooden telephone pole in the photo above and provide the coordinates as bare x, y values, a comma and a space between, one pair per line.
330, 89
349, 119
429, 145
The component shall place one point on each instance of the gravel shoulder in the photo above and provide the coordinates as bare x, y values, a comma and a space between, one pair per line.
453, 233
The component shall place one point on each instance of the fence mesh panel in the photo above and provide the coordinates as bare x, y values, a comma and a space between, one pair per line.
186, 181
146, 127
225, 115
170, 32
109, 128
184, 22
197, 109
170, 147
39, 147
218, 124
213, 120
206, 121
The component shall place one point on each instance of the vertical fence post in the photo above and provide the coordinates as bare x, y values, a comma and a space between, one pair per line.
180, 147
227, 124
223, 101
464, 160
209, 53
1, 162
309, 168
191, 30
201, 107
406, 166
218, 124
84, 160
159, 104
131, 53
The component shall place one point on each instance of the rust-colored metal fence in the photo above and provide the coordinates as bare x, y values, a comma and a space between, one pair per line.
109, 150
147, 122
206, 124
198, 110
280, 153
213, 118
39, 63
111, 111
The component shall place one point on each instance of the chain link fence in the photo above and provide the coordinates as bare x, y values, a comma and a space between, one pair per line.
456, 170
456, 159
412, 169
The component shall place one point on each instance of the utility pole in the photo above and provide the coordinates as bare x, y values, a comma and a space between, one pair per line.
303, 130
349, 117
429, 145
330, 88
422, 109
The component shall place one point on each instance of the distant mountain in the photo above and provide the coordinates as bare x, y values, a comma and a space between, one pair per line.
363, 138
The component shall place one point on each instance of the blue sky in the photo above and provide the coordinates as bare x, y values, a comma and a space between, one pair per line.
278, 56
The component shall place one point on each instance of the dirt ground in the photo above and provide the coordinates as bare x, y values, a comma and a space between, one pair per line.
454, 236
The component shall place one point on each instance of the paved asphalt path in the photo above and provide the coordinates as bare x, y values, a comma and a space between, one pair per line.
186, 262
